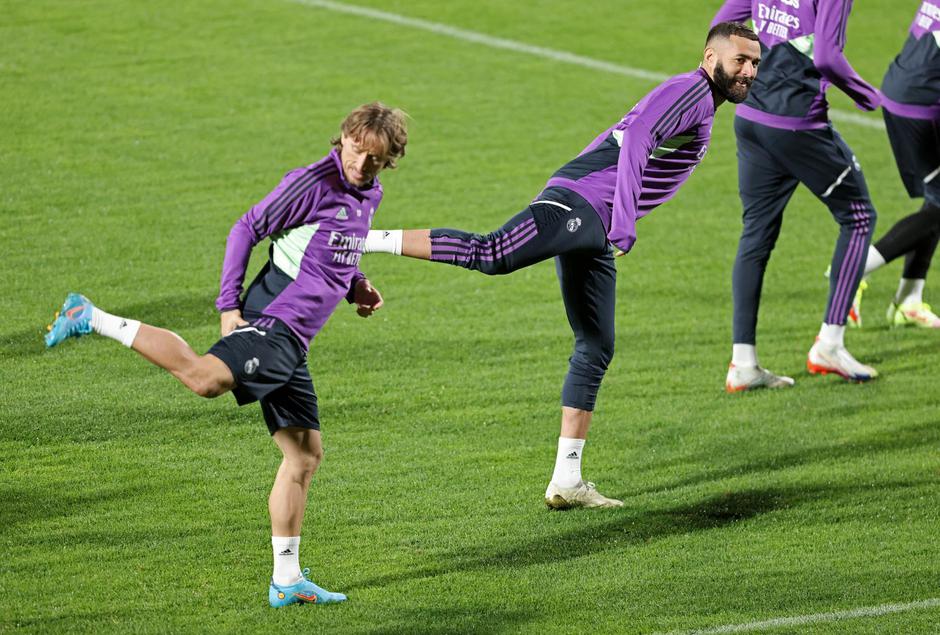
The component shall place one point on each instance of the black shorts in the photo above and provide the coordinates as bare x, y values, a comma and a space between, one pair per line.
916, 146
270, 366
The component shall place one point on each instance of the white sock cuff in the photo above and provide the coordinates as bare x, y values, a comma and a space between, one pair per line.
910, 291
832, 334
386, 241
115, 327
744, 355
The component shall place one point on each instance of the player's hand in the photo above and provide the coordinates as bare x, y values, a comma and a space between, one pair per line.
367, 298
231, 320
870, 102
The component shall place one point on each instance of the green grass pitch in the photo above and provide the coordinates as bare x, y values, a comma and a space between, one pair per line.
133, 134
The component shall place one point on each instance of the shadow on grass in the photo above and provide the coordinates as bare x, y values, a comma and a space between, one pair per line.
900, 438
626, 528
622, 528
174, 312
22, 505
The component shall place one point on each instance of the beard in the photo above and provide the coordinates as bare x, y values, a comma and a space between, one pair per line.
729, 86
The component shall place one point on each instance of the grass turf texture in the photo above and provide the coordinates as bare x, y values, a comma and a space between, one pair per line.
133, 135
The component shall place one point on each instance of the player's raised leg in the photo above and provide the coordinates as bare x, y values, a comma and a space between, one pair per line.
302, 451
588, 286
539, 232
205, 375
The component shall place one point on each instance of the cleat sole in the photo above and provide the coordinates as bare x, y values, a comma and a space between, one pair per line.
815, 369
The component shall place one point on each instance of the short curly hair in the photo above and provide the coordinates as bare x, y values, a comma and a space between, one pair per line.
377, 125
727, 29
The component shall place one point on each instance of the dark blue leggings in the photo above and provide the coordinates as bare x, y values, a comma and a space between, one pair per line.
570, 231
771, 164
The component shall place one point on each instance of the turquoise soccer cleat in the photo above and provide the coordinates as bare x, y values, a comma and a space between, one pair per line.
303, 592
74, 320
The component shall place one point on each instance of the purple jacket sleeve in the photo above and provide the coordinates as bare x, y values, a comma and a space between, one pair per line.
634, 155
671, 108
733, 11
831, 18
280, 209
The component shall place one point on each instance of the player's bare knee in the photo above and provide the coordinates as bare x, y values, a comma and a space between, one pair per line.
302, 466
202, 386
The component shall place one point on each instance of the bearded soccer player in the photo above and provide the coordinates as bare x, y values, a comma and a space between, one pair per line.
911, 109
317, 220
588, 206
785, 138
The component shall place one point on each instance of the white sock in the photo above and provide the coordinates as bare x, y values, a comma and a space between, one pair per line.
286, 560
384, 241
568, 462
875, 260
910, 291
832, 334
117, 328
744, 355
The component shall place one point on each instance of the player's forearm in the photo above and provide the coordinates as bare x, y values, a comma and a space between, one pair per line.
238, 248
833, 66
828, 56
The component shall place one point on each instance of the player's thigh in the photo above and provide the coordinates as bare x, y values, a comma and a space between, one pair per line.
765, 185
916, 147
293, 406
209, 370
825, 164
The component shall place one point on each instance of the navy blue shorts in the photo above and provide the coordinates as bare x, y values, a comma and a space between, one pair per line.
916, 146
269, 364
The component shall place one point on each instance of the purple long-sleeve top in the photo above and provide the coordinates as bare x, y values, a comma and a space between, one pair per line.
641, 161
802, 43
317, 223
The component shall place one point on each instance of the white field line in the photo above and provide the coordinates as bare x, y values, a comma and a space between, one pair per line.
538, 51
802, 620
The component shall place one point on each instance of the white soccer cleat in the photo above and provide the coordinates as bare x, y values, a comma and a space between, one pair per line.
741, 378
828, 358
913, 313
584, 494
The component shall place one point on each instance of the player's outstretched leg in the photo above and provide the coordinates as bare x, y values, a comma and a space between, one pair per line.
205, 375
545, 229
72, 320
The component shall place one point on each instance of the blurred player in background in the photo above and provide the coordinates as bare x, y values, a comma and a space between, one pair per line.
317, 220
590, 203
911, 108
785, 138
